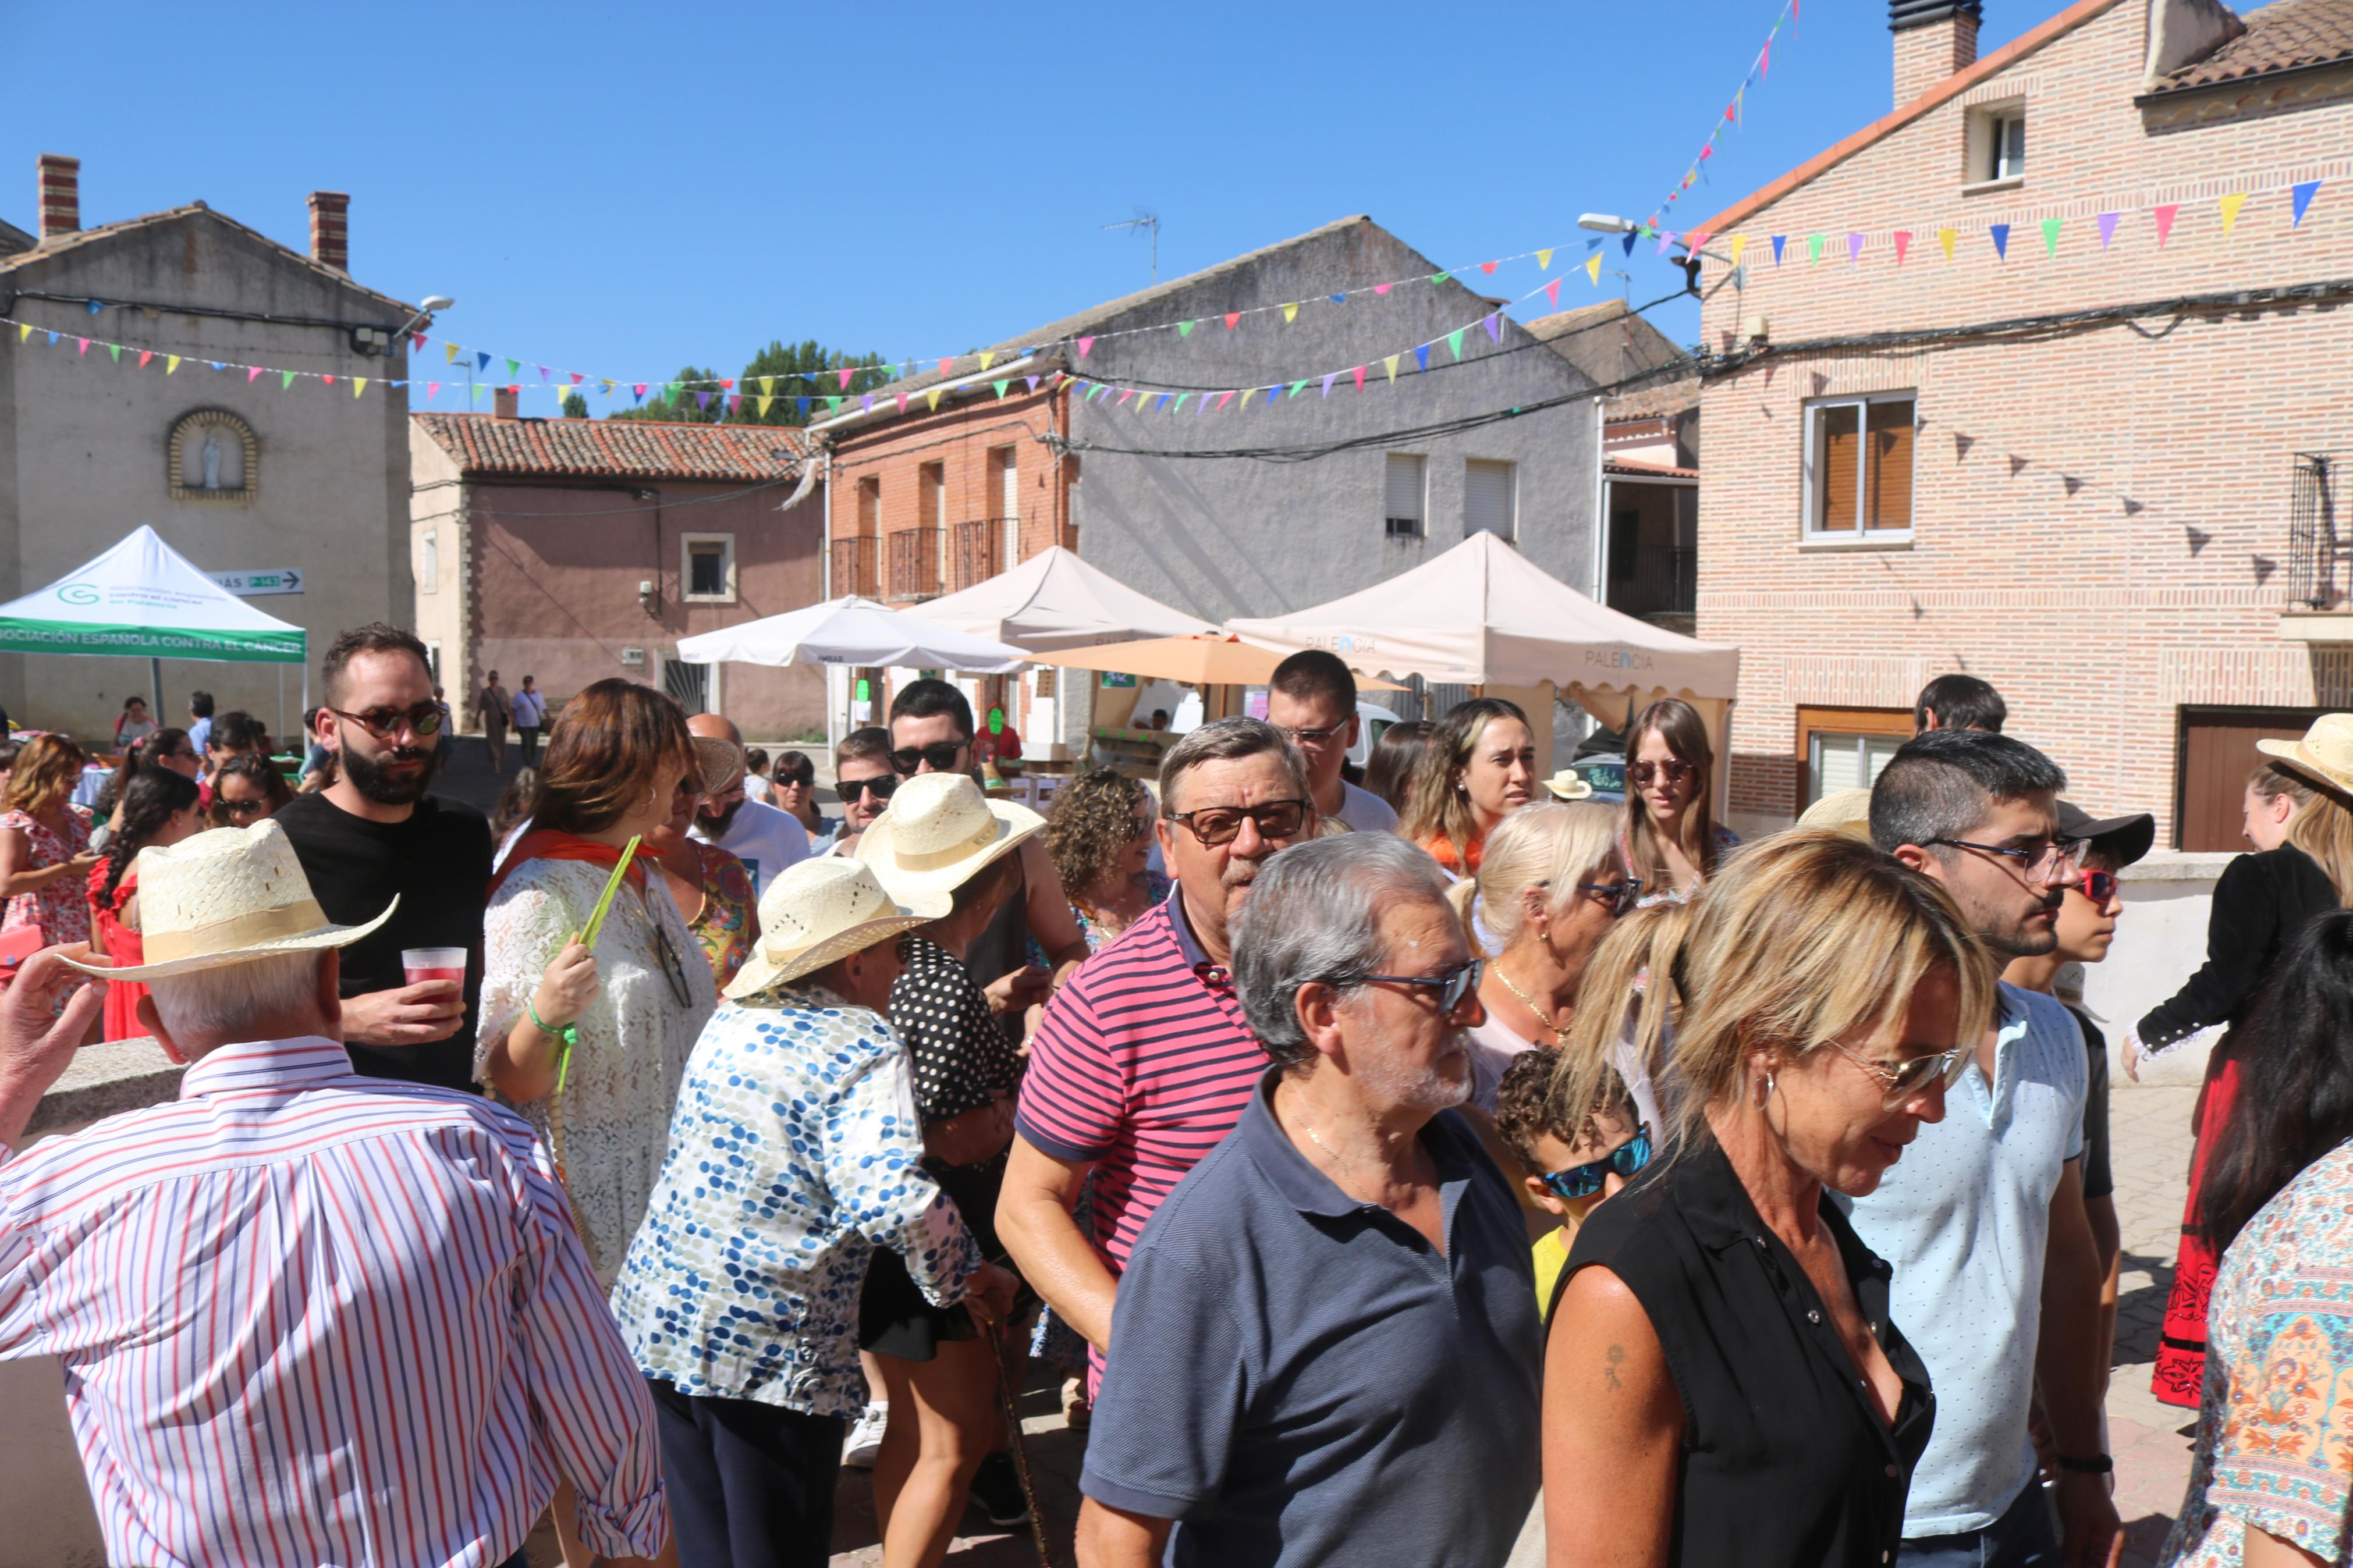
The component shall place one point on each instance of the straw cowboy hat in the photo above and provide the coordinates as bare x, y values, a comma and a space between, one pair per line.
1848, 810
1569, 784
823, 910
718, 762
939, 830
2325, 755
229, 896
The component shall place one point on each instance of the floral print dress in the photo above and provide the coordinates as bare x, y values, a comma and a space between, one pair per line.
62, 910
728, 925
2275, 1429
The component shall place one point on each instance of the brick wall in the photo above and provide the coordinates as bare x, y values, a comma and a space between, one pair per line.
2100, 517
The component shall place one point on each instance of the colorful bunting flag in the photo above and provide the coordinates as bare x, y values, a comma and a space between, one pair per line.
1853, 249
1000, 386
1421, 357
1289, 314
1543, 260
514, 368
1552, 293
170, 363
1494, 325
1903, 237
432, 390
1945, 237
285, 379
2230, 205
1084, 345
252, 373
1779, 240
359, 384
1233, 320
84, 349
1183, 329
1454, 341
24, 331
2050, 236
1224, 398
482, 361
1296, 388
1358, 371
1032, 381
1383, 288
1999, 232
866, 402
1328, 380
542, 373
454, 350
1440, 277
1180, 402
1390, 364
2107, 222
2164, 216
1593, 268
2300, 197
1813, 250
1337, 299
328, 379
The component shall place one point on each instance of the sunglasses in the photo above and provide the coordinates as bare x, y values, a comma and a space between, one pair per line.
795, 781
940, 754
2100, 887
1217, 825
424, 719
1311, 737
1621, 896
1899, 1081
1676, 771
242, 807
1584, 1181
882, 788
1452, 985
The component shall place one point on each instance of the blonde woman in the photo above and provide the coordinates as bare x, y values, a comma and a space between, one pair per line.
1550, 884
1478, 767
45, 852
1624, 1025
1672, 839
1721, 1350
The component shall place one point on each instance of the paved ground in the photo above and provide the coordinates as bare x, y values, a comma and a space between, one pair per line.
2150, 1133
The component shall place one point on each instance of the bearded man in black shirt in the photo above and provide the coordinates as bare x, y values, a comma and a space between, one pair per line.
375, 834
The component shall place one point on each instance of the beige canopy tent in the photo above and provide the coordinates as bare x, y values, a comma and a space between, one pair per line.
1188, 661
1483, 614
1054, 601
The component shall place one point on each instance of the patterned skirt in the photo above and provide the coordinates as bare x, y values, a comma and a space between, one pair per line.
2181, 1373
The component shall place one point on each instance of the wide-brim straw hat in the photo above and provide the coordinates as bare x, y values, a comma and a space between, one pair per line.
822, 909
718, 762
228, 896
1569, 784
938, 831
2324, 755
1848, 810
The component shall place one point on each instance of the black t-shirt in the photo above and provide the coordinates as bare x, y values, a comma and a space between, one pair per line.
438, 862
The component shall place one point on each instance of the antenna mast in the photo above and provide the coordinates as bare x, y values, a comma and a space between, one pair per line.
1150, 223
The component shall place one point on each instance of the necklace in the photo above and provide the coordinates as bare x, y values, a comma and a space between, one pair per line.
1346, 1164
1560, 1033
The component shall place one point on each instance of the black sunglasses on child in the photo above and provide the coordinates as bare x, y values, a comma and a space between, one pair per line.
1584, 1181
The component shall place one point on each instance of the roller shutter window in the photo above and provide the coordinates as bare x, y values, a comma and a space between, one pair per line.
1486, 497
1403, 496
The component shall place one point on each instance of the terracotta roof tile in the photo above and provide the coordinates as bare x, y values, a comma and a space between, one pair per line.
483, 444
2281, 36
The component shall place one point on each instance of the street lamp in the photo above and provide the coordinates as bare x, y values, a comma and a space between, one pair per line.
1609, 223
429, 307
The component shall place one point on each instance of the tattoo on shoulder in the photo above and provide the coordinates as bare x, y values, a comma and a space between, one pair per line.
1615, 1356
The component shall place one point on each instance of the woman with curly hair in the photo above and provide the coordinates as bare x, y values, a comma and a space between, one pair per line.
45, 852
1098, 832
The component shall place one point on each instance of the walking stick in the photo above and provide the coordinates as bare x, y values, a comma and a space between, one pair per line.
1020, 1449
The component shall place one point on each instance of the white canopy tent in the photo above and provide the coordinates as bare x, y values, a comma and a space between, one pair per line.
1054, 601
143, 599
851, 631
1483, 614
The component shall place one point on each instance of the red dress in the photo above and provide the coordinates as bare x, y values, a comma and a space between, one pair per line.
124, 945
2179, 1375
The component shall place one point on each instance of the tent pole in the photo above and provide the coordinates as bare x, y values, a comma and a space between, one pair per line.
155, 678
277, 731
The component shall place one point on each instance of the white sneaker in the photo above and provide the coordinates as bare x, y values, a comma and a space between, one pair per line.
866, 1436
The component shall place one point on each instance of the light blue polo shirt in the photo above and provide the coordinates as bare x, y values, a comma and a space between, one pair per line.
1964, 1218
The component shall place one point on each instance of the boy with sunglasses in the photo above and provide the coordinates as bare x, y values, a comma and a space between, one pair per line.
865, 779
1569, 1172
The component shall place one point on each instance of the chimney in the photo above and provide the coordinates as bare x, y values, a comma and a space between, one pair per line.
60, 195
330, 234
1934, 38
502, 402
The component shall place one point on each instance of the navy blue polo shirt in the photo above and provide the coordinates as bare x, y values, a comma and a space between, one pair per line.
1297, 1377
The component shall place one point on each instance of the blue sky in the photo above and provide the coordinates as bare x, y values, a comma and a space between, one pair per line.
624, 190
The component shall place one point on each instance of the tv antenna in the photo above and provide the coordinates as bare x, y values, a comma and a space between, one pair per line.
1150, 223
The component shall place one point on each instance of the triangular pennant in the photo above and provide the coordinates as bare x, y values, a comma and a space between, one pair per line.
1084, 345
285, 379
1163, 403
638, 387
1696, 241
1764, 60
760, 405
801, 406
2230, 205
170, 363
542, 373
359, 384
432, 390
1629, 242
866, 402
416, 342
1494, 325
1180, 402
1454, 341
2300, 197
735, 402
833, 401
514, 368
2000, 234
114, 352
845, 372
1552, 293
1183, 329
1032, 381
1224, 398
576, 378
481, 388
482, 361
1390, 364
1543, 260
605, 388
327, 380
1251, 392
1000, 386
1593, 268
144, 355
933, 397
2050, 236
1358, 372
1383, 288
1778, 241
252, 373
1440, 277
453, 351
1328, 380
1233, 320
1489, 267
1903, 237
2164, 216
945, 365
1853, 249
1946, 236
24, 331
703, 401
1337, 299
1814, 249
1421, 356
2107, 222
1289, 314
1296, 388
767, 387
987, 358
902, 400
728, 385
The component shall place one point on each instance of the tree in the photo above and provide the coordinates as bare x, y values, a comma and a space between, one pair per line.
574, 405
795, 378
681, 406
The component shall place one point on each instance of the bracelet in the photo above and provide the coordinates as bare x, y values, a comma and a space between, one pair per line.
569, 1035
2098, 1465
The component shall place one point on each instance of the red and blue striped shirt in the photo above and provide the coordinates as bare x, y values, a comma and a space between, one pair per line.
1142, 1063
308, 1317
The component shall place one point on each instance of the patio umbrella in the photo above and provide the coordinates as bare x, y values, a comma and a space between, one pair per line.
850, 631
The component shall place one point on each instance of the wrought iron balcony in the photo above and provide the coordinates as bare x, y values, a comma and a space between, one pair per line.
915, 562
2320, 548
858, 566
976, 551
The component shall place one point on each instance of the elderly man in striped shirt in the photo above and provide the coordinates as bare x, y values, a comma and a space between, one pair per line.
306, 1317
1144, 1059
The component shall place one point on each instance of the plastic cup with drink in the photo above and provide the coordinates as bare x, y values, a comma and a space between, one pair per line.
419, 964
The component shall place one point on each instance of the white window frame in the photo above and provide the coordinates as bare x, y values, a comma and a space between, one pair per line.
1852, 538
428, 551
1861, 741
686, 544
1421, 529
1986, 164
1510, 533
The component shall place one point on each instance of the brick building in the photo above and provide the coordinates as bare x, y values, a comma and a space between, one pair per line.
2067, 453
572, 550
933, 498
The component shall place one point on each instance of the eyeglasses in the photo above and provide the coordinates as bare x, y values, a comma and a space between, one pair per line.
2044, 863
1621, 896
1316, 738
1676, 771
424, 719
1899, 1081
243, 807
882, 787
940, 754
1217, 825
2100, 887
795, 781
1584, 1181
1454, 985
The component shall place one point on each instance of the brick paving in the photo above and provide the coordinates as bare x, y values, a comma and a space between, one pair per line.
2150, 1138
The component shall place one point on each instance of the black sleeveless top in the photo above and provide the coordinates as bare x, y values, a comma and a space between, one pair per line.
1785, 1463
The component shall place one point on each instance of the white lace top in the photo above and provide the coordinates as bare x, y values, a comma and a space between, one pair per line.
622, 1081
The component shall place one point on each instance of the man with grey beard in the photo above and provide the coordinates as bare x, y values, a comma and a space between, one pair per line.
1327, 1347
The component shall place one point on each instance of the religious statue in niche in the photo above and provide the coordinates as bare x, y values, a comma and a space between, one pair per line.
212, 457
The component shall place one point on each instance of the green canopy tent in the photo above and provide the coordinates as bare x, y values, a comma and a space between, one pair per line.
143, 599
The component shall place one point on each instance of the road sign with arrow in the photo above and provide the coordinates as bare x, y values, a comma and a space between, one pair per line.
252, 585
